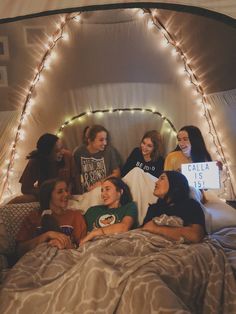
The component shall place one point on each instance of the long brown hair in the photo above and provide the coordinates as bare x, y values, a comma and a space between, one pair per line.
157, 143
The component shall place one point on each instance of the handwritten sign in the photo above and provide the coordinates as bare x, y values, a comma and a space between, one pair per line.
202, 175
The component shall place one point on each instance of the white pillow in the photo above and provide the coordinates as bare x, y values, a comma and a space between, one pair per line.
222, 215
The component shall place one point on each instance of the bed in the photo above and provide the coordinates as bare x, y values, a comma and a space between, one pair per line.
134, 272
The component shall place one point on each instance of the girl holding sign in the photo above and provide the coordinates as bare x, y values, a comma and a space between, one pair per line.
191, 148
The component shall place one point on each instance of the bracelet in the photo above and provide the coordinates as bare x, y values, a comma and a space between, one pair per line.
103, 232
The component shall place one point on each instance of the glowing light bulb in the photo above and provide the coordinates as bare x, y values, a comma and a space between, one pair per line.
150, 24
65, 36
174, 52
181, 70
77, 18
141, 13
22, 135
164, 43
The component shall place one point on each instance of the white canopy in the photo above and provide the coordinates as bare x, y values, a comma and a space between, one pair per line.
105, 60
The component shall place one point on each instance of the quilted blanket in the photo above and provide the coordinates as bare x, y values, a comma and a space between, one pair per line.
134, 272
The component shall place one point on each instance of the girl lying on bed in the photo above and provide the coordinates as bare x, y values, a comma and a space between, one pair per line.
175, 215
118, 214
53, 223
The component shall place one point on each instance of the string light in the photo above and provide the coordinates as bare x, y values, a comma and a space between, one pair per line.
50, 55
168, 40
119, 111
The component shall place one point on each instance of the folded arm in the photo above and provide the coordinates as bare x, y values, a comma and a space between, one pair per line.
57, 239
193, 233
123, 226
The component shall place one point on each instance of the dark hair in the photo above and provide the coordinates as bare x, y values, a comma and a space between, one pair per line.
84, 136
126, 196
157, 143
199, 152
45, 192
178, 187
94, 130
45, 145
48, 222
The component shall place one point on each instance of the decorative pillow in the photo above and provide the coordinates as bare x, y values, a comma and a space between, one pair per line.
12, 216
4, 244
222, 215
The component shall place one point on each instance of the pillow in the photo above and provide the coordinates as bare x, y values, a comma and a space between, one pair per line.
12, 216
222, 215
4, 244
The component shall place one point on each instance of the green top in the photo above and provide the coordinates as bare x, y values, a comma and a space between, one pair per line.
102, 216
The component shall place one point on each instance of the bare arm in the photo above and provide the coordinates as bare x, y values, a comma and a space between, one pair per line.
59, 239
193, 233
120, 227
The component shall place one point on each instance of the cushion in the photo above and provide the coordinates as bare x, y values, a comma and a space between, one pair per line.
12, 216
222, 215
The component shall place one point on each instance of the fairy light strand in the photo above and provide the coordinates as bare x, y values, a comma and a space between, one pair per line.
194, 80
52, 41
169, 40
118, 110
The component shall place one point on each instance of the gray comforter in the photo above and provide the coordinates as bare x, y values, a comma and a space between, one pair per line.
134, 272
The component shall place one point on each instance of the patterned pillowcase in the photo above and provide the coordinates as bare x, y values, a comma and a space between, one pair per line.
12, 216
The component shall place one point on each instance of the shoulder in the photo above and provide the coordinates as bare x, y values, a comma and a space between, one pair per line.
67, 153
174, 154
80, 150
33, 217
136, 151
74, 212
130, 205
95, 209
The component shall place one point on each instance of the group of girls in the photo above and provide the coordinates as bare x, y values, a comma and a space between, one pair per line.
96, 165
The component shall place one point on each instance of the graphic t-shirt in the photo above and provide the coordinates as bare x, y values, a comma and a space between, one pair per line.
136, 159
94, 167
189, 211
101, 216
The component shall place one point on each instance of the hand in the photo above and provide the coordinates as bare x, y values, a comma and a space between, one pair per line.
60, 239
59, 245
91, 235
219, 165
150, 227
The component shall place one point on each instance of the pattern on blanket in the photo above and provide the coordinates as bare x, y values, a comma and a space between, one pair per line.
134, 272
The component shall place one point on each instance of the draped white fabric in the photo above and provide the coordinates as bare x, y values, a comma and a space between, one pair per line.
9, 8
224, 103
102, 66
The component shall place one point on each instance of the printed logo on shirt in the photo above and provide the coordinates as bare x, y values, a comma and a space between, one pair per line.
145, 167
93, 170
106, 220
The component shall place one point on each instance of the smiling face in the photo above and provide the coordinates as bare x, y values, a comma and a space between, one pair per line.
99, 143
110, 195
59, 197
184, 143
162, 186
147, 148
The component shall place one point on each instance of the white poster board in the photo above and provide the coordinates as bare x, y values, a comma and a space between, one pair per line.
202, 175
